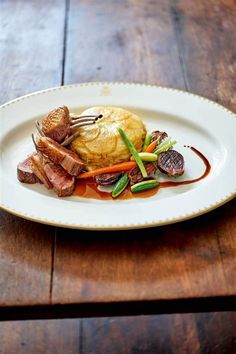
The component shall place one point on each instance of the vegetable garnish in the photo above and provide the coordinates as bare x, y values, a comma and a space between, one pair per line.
151, 147
146, 156
166, 145
147, 141
124, 166
144, 185
120, 185
133, 151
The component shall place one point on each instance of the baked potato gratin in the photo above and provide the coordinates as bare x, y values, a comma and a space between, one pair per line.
100, 145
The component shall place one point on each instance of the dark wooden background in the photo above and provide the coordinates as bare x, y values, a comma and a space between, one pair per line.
184, 44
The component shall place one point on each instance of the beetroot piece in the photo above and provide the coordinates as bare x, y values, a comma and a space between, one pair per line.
171, 162
135, 175
107, 178
156, 134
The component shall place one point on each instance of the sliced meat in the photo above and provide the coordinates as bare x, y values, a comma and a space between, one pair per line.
171, 162
63, 184
107, 178
25, 172
37, 167
58, 154
156, 134
56, 125
135, 175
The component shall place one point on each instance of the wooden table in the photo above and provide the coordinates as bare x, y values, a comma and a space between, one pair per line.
49, 272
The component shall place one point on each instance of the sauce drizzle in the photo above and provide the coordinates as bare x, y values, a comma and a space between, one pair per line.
87, 188
206, 172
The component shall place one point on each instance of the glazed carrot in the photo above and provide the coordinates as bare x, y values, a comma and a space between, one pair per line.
151, 147
124, 166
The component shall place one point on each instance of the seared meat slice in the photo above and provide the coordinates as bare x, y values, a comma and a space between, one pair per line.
135, 175
107, 178
156, 134
58, 154
25, 172
62, 182
56, 124
37, 167
171, 162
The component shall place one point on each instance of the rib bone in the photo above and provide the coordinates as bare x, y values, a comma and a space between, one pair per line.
59, 124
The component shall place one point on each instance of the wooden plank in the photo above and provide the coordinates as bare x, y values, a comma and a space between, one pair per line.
41, 337
31, 46
122, 41
205, 34
25, 262
177, 334
171, 262
190, 259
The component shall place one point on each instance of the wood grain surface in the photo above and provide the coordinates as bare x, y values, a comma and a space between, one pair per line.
149, 42
31, 47
183, 44
204, 32
211, 333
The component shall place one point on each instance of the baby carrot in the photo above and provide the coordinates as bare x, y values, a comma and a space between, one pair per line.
151, 147
124, 166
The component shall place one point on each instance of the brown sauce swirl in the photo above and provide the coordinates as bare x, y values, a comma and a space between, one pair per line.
87, 188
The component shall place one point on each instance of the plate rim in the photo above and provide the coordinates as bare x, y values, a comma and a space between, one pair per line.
185, 217
118, 83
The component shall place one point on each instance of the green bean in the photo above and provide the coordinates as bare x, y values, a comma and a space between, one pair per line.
133, 151
120, 185
147, 141
166, 146
146, 156
144, 185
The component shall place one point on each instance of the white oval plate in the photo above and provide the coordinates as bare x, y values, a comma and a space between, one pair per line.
188, 118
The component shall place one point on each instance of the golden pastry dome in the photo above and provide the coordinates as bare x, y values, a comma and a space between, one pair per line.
100, 145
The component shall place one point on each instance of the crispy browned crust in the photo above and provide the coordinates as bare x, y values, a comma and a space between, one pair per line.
58, 154
56, 124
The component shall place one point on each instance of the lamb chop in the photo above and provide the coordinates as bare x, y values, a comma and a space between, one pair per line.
25, 173
56, 124
59, 124
58, 154
38, 169
63, 184
171, 162
53, 176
